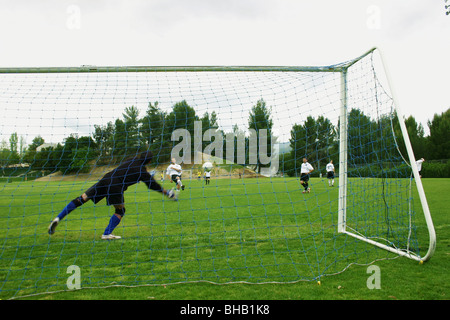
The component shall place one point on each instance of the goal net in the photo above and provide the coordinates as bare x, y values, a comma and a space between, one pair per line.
254, 217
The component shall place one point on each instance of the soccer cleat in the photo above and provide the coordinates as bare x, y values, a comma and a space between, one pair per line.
110, 237
52, 226
309, 190
182, 187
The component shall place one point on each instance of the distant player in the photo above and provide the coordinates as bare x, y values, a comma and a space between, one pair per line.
306, 170
207, 177
419, 166
199, 176
330, 173
174, 173
112, 187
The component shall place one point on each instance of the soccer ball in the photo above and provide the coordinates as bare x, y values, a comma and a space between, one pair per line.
207, 166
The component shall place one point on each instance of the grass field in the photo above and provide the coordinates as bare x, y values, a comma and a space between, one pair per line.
263, 232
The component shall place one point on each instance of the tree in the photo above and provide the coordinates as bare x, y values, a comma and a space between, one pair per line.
182, 116
416, 136
30, 153
119, 146
361, 137
13, 148
439, 136
240, 146
13, 140
152, 124
156, 133
76, 154
325, 142
37, 141
48, 159
315, 140
209, 121
260, 117
4, 153
132, 129
103, 137
22, 147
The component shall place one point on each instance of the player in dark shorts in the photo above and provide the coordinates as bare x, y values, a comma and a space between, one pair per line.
306, 169
330, 175
112, 187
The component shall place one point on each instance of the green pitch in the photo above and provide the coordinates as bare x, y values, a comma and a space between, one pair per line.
233, 230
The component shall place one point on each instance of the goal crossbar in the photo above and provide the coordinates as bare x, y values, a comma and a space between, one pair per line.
91, 68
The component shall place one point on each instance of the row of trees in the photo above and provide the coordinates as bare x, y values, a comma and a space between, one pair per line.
370, 141
124, 137
435, 146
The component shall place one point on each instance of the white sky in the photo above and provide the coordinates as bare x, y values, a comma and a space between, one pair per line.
413, 36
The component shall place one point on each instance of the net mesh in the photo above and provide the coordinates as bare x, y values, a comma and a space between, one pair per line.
62, 132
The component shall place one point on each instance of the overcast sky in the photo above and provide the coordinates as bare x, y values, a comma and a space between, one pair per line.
413, 35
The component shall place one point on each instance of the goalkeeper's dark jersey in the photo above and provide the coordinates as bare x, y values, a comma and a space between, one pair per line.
116, 182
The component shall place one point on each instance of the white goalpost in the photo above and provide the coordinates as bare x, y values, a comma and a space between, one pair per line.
343, 182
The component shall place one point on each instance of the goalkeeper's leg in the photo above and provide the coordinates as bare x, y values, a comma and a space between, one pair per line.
114, 222
72, 205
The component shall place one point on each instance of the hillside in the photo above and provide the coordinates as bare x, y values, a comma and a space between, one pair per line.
220, 171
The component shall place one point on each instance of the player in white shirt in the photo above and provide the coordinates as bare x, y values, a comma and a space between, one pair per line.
306, 170
207, 177
174, 173
419, 166
330, 173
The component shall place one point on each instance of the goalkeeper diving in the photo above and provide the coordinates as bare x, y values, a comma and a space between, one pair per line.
112, 187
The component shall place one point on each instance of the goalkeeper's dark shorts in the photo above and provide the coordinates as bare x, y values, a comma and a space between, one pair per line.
112, 193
